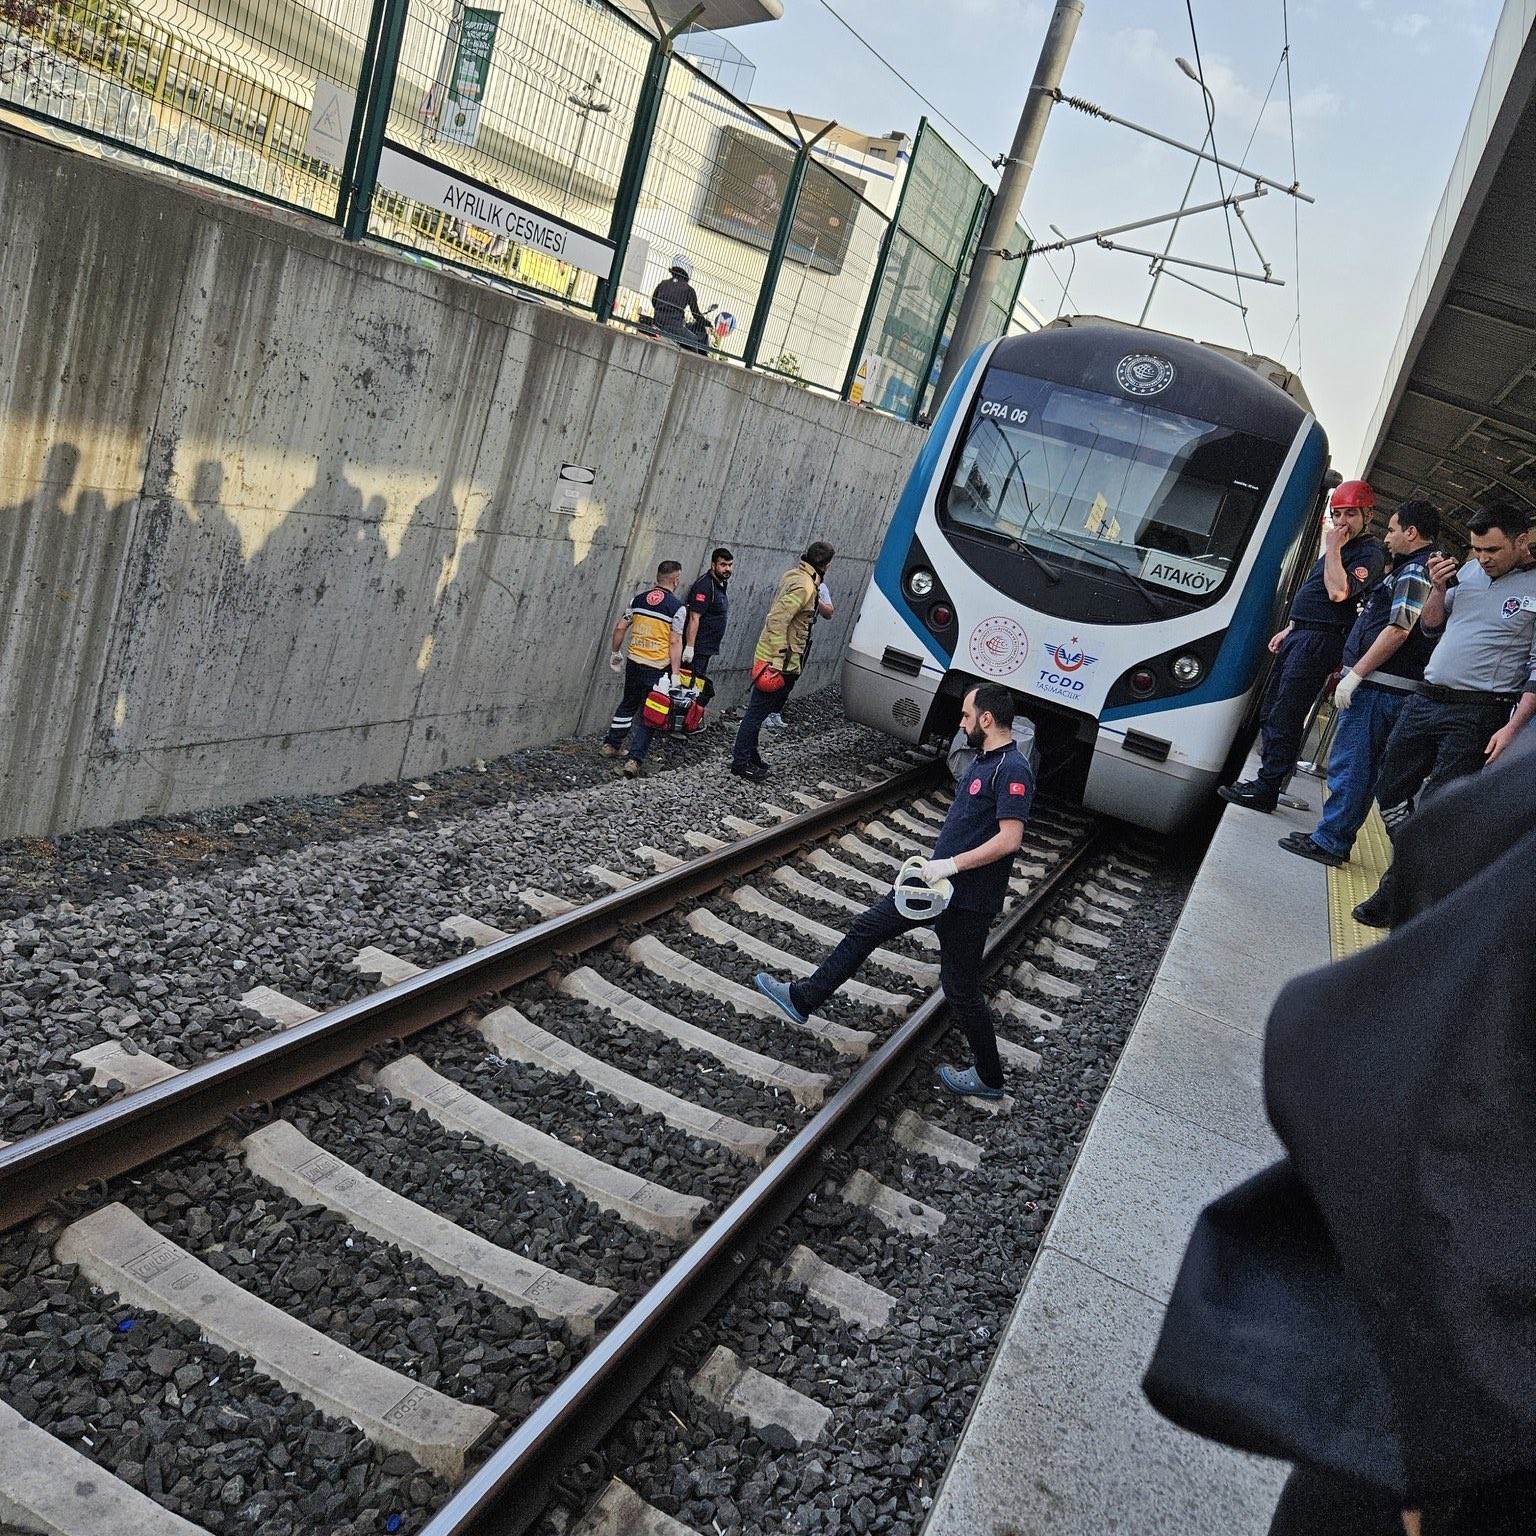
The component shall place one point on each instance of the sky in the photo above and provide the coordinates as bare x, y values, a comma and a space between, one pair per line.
1381, 89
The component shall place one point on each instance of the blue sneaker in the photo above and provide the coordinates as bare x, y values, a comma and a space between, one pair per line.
967, 1084
777, 991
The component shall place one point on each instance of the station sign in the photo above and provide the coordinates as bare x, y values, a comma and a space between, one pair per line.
436, 186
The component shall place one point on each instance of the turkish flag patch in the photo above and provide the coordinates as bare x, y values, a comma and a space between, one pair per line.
1018, 789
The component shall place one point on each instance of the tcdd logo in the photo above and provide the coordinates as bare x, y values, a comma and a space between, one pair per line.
1070, 659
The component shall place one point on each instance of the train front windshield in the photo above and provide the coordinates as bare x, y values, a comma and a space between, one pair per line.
1120, 512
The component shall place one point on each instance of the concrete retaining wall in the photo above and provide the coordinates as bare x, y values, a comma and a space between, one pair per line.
277, 515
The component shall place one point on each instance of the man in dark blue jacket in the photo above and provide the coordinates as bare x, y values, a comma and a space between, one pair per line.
1312, 643
709, 607
974, 852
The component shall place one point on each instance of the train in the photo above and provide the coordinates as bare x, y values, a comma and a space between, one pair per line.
1108, 520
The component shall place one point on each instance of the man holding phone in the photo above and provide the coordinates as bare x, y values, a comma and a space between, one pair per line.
1311, 645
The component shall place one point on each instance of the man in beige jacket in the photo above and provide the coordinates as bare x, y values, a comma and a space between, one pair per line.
780, 653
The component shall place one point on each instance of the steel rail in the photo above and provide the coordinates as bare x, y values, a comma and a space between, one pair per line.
508, 1493
129, 1132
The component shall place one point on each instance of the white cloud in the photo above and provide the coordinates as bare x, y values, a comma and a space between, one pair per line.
1410, 25
1237, 104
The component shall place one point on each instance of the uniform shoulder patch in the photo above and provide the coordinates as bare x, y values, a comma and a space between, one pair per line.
1018, 789
1362, 572
653, 598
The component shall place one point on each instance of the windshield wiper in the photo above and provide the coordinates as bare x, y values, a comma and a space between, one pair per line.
1154, 599
1049, 571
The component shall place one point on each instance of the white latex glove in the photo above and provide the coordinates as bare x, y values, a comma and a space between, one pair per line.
687, 654
935, 870
615, 661
823, 593
1344, 689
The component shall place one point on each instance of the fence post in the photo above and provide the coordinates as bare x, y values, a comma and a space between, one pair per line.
781, 234
983, 198
637, 157
365, 143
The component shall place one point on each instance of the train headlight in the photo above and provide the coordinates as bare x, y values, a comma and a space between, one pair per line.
1186, 670
920, 582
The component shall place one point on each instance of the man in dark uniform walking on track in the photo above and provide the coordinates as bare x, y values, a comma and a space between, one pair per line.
1311, 645
708, 613
653, 624
974, 852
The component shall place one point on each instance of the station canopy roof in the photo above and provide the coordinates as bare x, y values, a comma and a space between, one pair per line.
1457, 421
718, 14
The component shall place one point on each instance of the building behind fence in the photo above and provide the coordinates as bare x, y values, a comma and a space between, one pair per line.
556, 145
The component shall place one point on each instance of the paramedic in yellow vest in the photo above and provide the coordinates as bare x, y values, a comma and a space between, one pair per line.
647, 641
780, 653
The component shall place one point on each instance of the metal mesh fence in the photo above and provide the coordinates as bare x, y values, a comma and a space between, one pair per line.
830, 264
936, 229
505, 141
223, 90
713, 189
535, 104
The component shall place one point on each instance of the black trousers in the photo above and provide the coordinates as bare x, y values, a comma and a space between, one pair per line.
1305, 662
962, 937
745, 750
626, 722
1431, 744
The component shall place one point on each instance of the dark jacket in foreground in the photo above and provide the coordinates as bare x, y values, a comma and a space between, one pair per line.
1368, 1304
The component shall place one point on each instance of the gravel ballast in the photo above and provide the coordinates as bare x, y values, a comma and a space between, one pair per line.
900, 1397
150, 947
150, 932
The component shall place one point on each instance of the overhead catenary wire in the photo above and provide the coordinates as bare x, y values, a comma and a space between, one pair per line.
937, 111
1210, 117
1290, 112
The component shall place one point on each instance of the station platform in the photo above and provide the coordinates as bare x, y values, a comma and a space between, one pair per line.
1061, 1441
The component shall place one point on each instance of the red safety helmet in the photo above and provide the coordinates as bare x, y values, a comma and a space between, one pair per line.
1353, 493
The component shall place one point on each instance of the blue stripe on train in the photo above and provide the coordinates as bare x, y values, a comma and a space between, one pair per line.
1237, 663
898, 537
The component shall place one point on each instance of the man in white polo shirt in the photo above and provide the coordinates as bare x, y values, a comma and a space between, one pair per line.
1479, 688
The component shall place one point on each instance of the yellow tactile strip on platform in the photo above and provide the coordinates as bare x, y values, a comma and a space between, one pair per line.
1351, 883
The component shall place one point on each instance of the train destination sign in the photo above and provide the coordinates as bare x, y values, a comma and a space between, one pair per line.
1192, 576
477, 204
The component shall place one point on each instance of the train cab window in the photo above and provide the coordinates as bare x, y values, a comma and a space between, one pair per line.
1116, 495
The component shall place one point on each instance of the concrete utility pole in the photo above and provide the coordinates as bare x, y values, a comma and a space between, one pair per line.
970, 324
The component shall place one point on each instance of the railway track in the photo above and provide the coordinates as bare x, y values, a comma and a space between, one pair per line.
458, 1414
